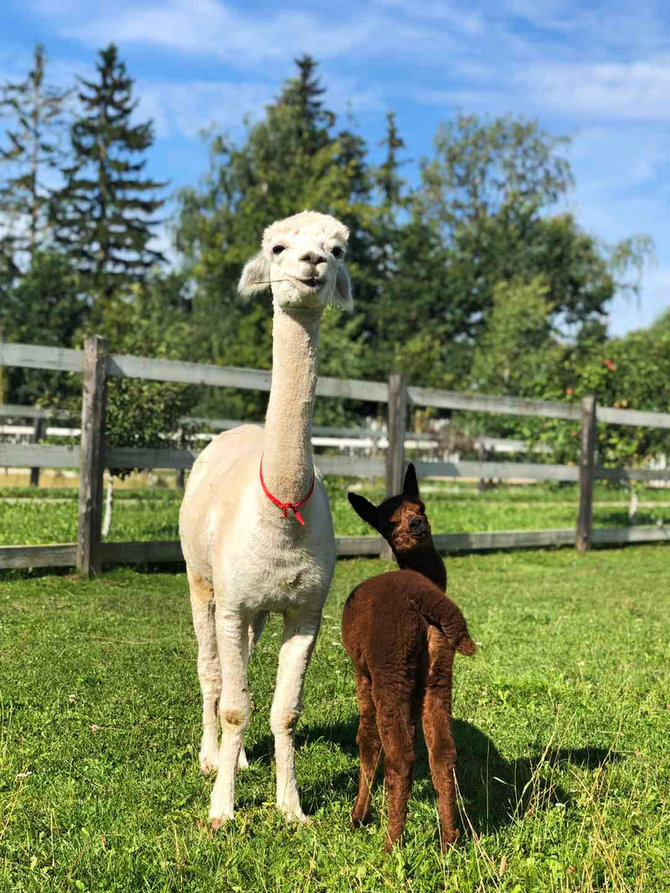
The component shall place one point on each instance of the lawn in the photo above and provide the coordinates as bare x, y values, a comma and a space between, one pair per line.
561, 723
30, 516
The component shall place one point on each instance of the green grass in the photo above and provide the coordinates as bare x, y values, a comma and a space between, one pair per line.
561, 726
29, 516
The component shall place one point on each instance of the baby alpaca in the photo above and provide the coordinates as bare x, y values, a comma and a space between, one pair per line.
401, 632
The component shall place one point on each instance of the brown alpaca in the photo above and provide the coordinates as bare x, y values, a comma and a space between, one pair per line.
401, 632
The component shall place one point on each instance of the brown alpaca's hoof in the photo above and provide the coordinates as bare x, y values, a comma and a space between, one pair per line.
391, 843
357, 821
449, 838
215, 824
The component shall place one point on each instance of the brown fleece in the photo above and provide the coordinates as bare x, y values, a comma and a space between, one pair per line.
401, 632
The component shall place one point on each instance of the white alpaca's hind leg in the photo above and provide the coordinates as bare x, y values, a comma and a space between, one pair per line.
209, 669
232, 637
256, 628
300, 632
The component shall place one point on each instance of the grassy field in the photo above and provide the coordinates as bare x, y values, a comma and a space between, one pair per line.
30, 516
561, 723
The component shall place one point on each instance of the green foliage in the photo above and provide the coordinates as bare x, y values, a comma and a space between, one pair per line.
516, 352
489, 188
141, 413
44, 306
631, 373
102, 216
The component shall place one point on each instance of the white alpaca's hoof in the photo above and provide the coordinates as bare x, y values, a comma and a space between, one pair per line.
294, 815
242, 761
218, 822
209, 762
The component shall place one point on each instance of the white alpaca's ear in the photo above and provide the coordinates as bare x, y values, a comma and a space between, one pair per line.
342, 297
255, 275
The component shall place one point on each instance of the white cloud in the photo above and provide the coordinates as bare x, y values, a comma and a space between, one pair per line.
187, 108
211, 27
614, 90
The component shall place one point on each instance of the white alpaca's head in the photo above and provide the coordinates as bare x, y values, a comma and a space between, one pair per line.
301, 259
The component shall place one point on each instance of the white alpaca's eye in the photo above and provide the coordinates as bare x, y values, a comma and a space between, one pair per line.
338, 252
277, 249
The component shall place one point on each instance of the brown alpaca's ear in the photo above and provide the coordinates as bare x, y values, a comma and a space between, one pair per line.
410, 488
364, 509
342, 297
255, 275
466, 645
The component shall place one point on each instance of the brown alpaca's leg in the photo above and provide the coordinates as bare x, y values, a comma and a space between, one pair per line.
369, 748
396, 722
436, 720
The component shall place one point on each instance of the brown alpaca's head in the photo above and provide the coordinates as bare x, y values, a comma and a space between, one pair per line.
401, 519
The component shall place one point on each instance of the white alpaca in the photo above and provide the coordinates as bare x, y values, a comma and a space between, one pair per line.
245, 556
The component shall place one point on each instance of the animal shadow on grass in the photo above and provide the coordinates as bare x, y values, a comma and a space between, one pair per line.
494, 790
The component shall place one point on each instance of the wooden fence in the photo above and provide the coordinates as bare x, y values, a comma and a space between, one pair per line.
91, 456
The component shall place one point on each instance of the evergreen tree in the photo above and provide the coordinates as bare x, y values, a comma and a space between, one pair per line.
29, 159
103, 216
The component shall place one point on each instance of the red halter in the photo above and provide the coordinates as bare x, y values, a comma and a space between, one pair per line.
287, 506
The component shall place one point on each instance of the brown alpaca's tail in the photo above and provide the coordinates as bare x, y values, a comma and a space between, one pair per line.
441, 612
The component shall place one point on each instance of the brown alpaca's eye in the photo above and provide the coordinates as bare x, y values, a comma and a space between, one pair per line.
338, 252
278, 249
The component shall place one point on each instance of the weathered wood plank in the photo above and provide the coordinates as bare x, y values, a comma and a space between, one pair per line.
92, 465
586, 473
57, 555
38, 455
633, 474
359, 546
237, 377
350, 466
613, 416
35, 356
641, 534
503, 470
64, 555
148, 457
503, 539
141, 552
495, 404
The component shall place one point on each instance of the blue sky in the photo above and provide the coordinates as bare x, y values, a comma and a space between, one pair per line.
599, 74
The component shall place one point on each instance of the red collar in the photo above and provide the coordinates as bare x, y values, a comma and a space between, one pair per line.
287, 506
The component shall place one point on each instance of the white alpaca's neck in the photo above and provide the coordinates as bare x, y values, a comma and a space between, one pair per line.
288, 463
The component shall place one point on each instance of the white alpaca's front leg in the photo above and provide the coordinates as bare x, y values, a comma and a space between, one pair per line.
234, 707
300, 632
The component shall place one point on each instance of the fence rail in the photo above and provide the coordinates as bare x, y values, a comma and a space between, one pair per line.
95, 456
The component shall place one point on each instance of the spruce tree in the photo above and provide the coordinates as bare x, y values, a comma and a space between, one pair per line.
103, 216
28, 160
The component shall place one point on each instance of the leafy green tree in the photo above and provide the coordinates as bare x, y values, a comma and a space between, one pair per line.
516, 351
29, 159
44, 306
292, 159
489, 189
103, 215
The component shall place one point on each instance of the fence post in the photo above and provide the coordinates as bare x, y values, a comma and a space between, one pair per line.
39, 430
396, 425
92, 446
586, 473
